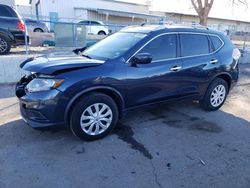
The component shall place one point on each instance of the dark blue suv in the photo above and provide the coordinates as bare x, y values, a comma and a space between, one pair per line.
135, 67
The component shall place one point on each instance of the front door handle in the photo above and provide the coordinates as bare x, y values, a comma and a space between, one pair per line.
176, 68
213, 61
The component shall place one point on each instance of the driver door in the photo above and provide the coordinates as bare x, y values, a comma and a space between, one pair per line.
159, 80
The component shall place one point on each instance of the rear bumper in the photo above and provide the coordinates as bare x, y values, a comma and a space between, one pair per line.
19, 39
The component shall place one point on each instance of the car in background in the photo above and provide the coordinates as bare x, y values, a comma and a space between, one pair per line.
36, 26
12, 29
95, 27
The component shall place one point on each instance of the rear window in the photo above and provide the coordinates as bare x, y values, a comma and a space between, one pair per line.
5, 12
194, 44
216, 42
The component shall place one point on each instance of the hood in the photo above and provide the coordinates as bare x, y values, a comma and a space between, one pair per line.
54, 64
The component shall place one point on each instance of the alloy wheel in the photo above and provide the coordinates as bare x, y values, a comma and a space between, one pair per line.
96, 119
218, 95
3, 45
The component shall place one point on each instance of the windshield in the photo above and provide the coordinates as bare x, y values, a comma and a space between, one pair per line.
113, 46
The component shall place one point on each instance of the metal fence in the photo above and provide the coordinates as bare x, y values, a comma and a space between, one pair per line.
67, 32
63, 32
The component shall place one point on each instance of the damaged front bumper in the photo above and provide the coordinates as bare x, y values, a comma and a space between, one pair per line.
40, 109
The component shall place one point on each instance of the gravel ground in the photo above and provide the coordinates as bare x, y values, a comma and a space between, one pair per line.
177, 145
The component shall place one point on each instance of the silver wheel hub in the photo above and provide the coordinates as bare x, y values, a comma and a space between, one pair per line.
96, 118
218, 95
3, 45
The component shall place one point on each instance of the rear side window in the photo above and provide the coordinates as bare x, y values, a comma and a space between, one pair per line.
216, 42
95, 23
4, 11
194, 44
85, 22
163, 47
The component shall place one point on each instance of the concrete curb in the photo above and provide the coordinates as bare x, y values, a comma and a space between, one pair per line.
10, 72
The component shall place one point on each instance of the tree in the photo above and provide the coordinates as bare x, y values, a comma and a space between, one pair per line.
203, 7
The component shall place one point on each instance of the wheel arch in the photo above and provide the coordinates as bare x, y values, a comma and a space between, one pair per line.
38, 28
227, 77
109, 91
102, 31
223, 75
7, 34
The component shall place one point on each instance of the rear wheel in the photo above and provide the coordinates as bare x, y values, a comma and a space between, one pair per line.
93, 116
215, 96
4, 45
38, 30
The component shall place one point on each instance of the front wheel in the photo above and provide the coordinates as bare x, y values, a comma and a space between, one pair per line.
93, 116
215, 96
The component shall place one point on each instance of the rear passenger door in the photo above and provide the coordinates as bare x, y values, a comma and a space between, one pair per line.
199, 62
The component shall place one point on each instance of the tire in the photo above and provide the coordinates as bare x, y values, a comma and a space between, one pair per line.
4, 45
101, 33
215, 95
38, 30
80, 115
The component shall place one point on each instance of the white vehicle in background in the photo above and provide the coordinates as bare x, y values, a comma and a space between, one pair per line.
95, 27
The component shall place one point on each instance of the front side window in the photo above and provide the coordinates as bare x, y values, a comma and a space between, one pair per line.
114, 45
163, 47
194, 44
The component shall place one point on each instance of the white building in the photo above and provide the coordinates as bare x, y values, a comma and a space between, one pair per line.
109, 11
8, 2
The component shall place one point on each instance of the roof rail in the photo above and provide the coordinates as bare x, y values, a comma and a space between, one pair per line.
192, 25
183, 25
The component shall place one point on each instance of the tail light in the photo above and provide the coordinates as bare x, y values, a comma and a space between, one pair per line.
21, 26
236, 54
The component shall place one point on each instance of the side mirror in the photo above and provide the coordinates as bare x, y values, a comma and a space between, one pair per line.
142, 58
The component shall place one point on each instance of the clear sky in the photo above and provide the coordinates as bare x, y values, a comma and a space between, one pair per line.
221, 8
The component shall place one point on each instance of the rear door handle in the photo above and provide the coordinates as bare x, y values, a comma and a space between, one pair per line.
213, 61
176, 68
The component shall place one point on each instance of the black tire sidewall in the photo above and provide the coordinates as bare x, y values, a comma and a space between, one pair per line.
38, 30
206, 103
81, 105
8, 45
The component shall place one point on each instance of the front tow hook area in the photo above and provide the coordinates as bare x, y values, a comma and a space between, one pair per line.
20, 86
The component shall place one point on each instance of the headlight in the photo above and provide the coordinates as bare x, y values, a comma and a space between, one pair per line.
41, 84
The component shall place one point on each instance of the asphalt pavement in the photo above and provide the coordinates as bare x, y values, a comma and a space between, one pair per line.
172, 145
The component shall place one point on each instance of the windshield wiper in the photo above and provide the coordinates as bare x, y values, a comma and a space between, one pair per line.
85, 55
